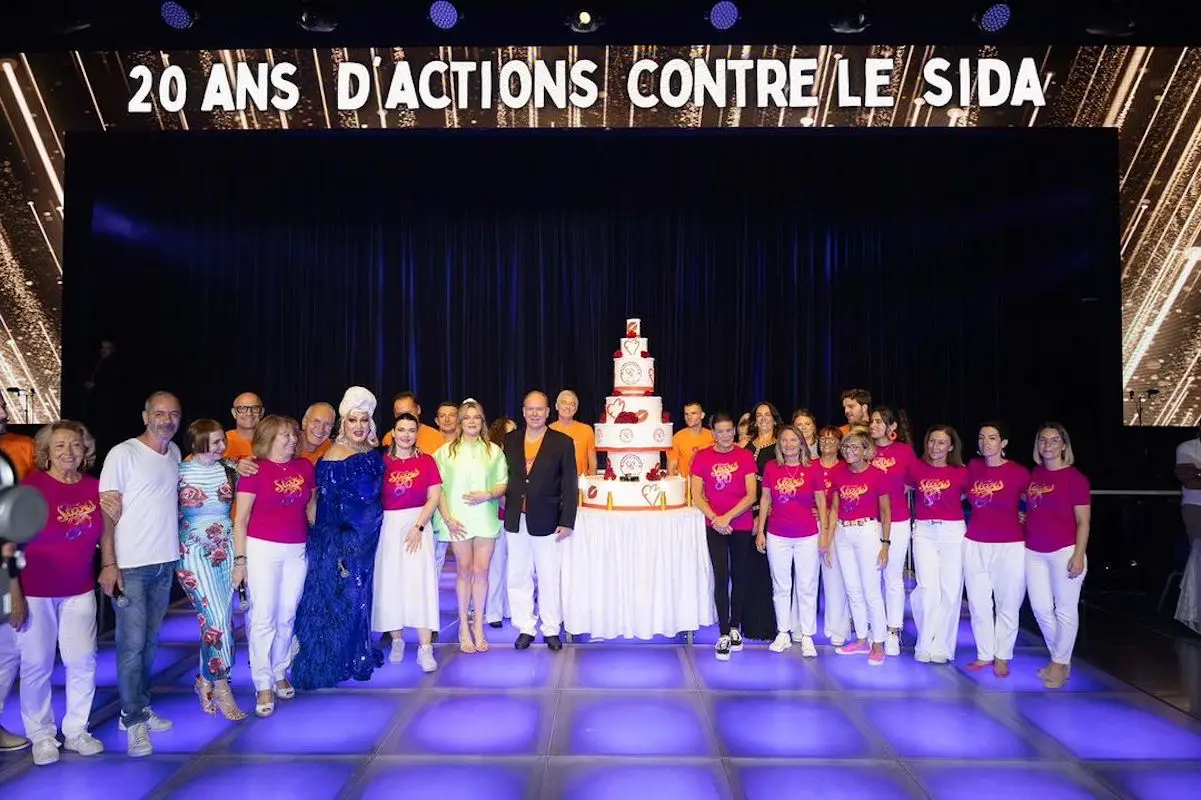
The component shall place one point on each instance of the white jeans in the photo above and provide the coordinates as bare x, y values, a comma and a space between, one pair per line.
440, 549
1055, 600
275, 575
66, 625
938, 562
783, 554
530, 556
858, 552
497, 605
10, 662
836, 611
995, 576
894, 574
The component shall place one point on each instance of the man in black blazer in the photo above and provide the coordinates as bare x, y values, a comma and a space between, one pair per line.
540, 506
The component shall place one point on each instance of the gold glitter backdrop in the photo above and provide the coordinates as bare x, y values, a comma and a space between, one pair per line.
1151, 94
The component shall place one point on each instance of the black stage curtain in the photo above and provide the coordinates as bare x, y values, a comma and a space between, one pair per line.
962, 275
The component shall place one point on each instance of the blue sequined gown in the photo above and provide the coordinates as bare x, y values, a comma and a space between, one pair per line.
333, 623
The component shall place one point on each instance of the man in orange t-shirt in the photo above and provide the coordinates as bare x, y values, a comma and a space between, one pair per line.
315, 431
689, 441
428, 439
247, 412
581, 434
857, 405
18, 448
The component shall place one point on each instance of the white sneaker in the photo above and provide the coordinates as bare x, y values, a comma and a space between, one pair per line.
85, 744
892, 644
398, 651
782, 642
137, 740
154, 723
722, 649
45, 751
837, 641
735, 640
808, 650
796, 637
921, 656
425, 658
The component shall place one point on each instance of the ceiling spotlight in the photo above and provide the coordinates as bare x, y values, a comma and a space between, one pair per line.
176, 16
443, 14
723, 15
1110, 18
850, 18
993, 18
316, 19
584, 22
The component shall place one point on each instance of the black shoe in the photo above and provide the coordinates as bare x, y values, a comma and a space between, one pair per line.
433, 637
497, 624
553, 642
523, 641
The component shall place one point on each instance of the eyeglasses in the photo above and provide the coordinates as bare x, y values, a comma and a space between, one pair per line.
248, 409
1051, 442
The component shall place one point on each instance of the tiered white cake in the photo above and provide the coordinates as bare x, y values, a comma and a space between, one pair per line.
633, 434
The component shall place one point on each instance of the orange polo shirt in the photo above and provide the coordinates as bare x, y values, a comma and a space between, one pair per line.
237, 448
428, 439
686, 444
20, 450
584, 440
313, 456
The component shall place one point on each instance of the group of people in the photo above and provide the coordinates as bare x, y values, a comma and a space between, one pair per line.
328, 533
789, 507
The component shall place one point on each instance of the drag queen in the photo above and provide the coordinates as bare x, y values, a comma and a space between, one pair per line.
994, 553
474, 478
859, 514
939, 480
406, 578
333, 623
205, 568
894, 456
1058, 513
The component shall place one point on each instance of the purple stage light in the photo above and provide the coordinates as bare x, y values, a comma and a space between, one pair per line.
900, 673
106, 664
947, 729
995, 17
1023, 676
502, 668
723, 15
660, 781
75, 776
630, 668
448, 781
1159, 784
642, 725
1109, 729
824, 782
320, 725
443, 14
176, 16
494, 725
759, 669
783, 727
1001, 783
312, 780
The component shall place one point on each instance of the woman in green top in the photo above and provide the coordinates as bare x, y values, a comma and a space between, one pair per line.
474, 476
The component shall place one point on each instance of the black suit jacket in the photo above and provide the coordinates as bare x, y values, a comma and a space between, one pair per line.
550, 491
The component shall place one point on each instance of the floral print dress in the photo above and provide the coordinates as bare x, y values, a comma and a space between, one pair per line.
205, 570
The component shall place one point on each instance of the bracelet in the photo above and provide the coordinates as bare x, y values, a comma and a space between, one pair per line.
239, 559
106, 566
420, 528
886, 541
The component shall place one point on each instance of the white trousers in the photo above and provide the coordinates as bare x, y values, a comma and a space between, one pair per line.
938, 562
1055, 600
783, 555
497, 605
275, 575
66, 625
858, 551
836, 611
440, 549
10, 662
894, 573
530, 557
995, 576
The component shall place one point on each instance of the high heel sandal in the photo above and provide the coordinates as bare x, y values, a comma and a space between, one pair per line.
284, 690
481, 644
466, 645
264, 703
224, 699
204, 690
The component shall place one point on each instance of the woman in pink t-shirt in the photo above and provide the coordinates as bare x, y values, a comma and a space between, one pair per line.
939, 481
792, 510
275, 507
836, 609
1058, 513
859, 514
994, 552
894, 456
724, 482
406, 573
54, 600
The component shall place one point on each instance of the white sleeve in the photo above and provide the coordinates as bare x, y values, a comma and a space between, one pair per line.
115, 470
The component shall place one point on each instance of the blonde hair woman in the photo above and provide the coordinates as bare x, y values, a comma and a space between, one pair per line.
474, 478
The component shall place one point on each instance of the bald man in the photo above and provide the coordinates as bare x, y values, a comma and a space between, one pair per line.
315, 428
247, 412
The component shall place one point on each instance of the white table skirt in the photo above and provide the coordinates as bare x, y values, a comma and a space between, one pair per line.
637, 574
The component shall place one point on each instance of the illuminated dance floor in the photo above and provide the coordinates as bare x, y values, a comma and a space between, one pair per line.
659, 721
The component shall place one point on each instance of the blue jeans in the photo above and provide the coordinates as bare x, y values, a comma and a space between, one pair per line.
148, 590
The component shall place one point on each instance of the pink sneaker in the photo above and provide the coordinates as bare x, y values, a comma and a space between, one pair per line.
876, 659
853, 649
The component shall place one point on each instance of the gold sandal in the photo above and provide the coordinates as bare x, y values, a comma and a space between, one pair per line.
204, 690
465, 643
224, 699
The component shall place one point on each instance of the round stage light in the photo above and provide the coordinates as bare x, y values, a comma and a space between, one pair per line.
176, 16
994, 18
443, 14
723, 15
